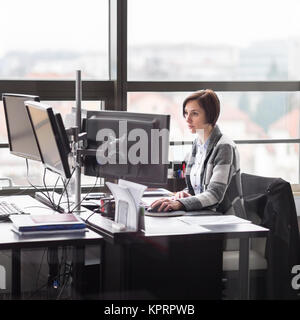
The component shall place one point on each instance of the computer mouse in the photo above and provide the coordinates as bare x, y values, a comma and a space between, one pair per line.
154, 209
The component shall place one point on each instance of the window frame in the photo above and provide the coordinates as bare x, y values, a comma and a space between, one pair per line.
114, 91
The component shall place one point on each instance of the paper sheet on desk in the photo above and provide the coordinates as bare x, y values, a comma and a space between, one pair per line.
135, 189
213, 220
127, 196
170, 226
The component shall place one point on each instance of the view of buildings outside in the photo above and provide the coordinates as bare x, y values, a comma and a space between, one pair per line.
279, 160
223, 41
52, 39
159, 51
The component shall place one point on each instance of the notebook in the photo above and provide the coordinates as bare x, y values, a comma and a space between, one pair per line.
47, 222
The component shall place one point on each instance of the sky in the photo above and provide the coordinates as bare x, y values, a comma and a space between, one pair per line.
83, 25
236, 22
52, 25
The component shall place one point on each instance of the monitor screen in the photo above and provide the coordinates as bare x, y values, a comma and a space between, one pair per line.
50, 136
131, 146
21, 138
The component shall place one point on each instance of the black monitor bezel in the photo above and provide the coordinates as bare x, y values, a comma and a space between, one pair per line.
63, 133
108, 114
26, 98
57, 137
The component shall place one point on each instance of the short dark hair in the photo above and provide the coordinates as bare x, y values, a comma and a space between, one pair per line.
209, 101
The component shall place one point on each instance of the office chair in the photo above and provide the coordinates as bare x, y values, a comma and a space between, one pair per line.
269, 202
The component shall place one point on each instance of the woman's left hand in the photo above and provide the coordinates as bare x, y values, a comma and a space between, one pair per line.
167, 205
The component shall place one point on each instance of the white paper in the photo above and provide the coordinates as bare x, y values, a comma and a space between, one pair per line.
135, 189
213, 220
122, 195
170, 226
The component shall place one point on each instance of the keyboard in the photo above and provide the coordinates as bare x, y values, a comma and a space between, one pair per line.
7, 209
165, 214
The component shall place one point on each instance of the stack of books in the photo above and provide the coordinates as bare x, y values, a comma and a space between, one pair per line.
47, 223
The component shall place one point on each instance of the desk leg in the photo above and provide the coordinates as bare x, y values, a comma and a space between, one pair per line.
244, 268
16, 274
77, 273
114, 271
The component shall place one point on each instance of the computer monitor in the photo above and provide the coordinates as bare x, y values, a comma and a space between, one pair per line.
51, 137
21, 138
131, 146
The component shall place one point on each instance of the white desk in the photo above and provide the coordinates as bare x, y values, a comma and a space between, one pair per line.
161, 230
9, 240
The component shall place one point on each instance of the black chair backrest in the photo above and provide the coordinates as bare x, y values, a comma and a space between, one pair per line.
270, 203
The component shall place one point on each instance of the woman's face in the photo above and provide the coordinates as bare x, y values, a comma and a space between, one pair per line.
195, 116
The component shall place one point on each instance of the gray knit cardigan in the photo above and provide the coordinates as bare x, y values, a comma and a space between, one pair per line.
220, 178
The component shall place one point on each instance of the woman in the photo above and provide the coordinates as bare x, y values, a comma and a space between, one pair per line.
213, 169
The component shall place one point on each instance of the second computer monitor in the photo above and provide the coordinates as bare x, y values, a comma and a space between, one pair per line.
50, 136
21, 138
132, 146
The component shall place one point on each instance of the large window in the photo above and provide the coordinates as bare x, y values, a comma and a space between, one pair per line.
244, 116
195, 40
51, 39
247, 51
